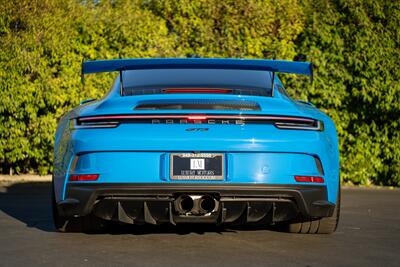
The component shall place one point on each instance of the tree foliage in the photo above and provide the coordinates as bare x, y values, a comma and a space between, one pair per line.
231, 28
354, 45
41, 49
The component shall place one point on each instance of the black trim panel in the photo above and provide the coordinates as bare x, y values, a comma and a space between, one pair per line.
82, 198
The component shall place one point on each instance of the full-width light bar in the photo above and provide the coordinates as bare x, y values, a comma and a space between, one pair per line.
173, 116
112, 121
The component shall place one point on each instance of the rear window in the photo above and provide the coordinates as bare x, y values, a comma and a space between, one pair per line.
156, 81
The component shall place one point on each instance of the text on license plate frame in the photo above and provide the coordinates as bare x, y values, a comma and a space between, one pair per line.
197, 156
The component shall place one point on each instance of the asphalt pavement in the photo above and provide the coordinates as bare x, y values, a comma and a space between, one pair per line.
368, 235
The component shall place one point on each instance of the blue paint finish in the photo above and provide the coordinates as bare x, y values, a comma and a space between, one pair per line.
66, 178
126, 104
164, 166
174, 137
243, 167
229, 166
139, 153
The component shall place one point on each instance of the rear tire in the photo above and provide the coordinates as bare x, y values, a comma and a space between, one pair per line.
326, 225
64, 224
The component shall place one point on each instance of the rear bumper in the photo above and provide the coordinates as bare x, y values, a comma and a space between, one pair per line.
153, 203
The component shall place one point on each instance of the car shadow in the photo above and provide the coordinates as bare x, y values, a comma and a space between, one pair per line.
182, 229
30, 203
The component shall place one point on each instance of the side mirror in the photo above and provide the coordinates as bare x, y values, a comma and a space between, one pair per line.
87, 101
306, 103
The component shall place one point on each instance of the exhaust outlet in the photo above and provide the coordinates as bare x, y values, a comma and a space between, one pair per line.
207, 204
184, 204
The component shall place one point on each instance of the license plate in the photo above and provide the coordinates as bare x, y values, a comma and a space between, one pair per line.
197, 166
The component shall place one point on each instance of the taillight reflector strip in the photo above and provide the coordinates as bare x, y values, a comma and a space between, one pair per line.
281, 122
308, 179
157, 116
83, 177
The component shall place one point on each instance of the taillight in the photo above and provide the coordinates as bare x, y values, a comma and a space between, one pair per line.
308, 179
83, 177
78, 124
315, 125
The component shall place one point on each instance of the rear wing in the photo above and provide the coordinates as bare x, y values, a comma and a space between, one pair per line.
95, 66
284, 66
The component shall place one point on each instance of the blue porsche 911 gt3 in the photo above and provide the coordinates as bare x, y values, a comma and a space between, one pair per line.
197, 141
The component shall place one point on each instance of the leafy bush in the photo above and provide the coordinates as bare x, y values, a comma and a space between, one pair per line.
355, 46
41, 49
232, 28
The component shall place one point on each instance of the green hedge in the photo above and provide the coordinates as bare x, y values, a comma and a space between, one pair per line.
354, 45
356, 49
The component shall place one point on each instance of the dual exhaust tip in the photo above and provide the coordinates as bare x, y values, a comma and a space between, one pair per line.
196, 204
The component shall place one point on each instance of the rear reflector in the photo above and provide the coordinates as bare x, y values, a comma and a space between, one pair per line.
309, 179
84, 177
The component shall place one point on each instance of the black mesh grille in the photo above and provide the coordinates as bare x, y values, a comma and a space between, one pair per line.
234, 91
199, 105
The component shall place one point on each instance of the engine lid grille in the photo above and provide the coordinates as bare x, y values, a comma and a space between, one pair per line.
198, 104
